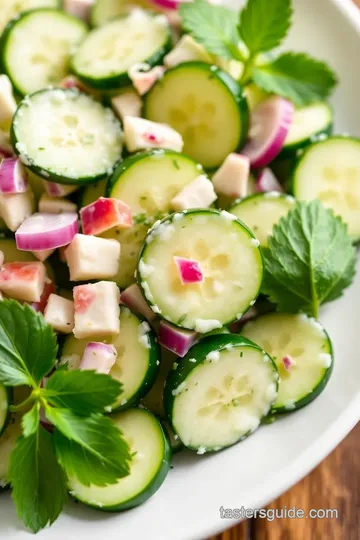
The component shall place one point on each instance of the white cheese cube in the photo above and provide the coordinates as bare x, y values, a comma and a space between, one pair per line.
232, 178
7, 103
59, 313
23, 280
99, 357
143, 78
127, 104
92, 257
141, 134
44, 254
198, 194
97, 309
55, 205
186, 50
15, 208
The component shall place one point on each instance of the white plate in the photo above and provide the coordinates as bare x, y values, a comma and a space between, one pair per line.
256, 471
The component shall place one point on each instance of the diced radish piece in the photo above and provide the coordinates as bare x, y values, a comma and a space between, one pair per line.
134, 299
13, 178
177, 340
49, 288
289, 362
141, 134
7, 103
127, 104
199, 193
23, 280
86, 254
16, 207
97, 309
58, 190
232, 178
6, 149
186, 50
99, 357
104, 214
270, 123
189, 270
54, 205
46, 231
267, 181
79, 8
43, 255
143, 78
62, 255
59, 313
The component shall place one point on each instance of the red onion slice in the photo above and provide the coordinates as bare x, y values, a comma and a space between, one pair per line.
134, 299
270, 123
13, 177
46, 231
267, 181
176, 340
189, 270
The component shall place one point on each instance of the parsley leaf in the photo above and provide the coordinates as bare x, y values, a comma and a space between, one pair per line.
30, 421
92, 448
310, 259
28, 345
212, 26
296, 76
263, 24
38, 482
84, 392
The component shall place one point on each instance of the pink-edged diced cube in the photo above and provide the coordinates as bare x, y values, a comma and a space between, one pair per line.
232, 178
104, 214
289, 362
23, 280
141, 134
90, 257
199, 193
143, 78
189, 270
16, 207
127, 104
134, 299
97, 309
49, 288
99, 357
59, 313
55, 205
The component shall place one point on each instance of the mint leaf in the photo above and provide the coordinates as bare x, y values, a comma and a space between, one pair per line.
296, 76
310, 259
38, 483
212, 26
92, 448
264, 24
84, 392
31, 420
28, 345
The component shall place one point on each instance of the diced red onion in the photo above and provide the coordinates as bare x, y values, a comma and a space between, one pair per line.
267, 181
168, 4
104, 214
288, 362
270, 123
177, 340
49, 288
99, 357
46, 231
13, 177
189, 270
134, 299
58, 190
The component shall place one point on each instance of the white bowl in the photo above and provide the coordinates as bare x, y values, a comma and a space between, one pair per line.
257, 470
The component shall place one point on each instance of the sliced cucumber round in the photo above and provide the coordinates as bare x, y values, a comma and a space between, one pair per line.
148, 469
308, 350
102, 60
206, 105
66, 136
154, 399
260, 212
230, 260
175, 443
167, 172
138, 360
329, 170
308, 124
5, 402
7, 444
35, 48
10, 9
220, 392
106, 10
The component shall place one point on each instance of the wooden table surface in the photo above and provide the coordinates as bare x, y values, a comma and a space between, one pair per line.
335, 483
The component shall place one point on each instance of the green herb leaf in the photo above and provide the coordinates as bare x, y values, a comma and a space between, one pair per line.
296, 76
31, 420
92, 449
38, 482
310, 259
212, 26
28, 345
84, 392
263, 24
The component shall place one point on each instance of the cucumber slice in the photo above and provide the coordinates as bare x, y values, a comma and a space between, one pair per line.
10, 9
220, 392
260, 212
35, 48
5, 402
137, 363
102, 60
167, 172
66, 136
7, 444
154, 398
330, 171
148, 468
175, 443
306, 342
106, 10
206, 105
308, 124
230, 259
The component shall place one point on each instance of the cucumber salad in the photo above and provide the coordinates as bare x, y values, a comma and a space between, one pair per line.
175, 209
